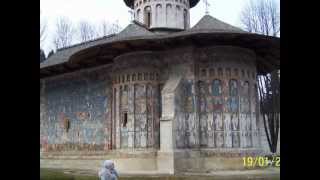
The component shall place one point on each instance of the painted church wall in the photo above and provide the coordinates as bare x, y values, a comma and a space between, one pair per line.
75, 111
138, 84
219, 109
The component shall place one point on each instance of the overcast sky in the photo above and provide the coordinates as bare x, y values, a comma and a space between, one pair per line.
115, 10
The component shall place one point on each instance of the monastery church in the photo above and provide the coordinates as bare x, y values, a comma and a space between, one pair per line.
159, 96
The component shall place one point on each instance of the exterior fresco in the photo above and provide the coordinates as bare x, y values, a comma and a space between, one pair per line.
138, 119
83, 102
222, 104
233, 112
88, 111
140, 116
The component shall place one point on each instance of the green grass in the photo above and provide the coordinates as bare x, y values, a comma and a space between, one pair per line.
49, 174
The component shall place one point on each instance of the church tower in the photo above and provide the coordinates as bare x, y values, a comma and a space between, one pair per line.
162, 14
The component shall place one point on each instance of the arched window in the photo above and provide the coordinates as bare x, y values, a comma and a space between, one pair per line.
138, 15
185, 18
147, 16
169, 13
158, 14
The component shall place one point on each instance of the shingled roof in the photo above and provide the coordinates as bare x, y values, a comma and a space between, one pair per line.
136, 37
134, 29
208, 22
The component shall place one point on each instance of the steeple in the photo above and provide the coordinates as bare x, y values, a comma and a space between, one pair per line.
162, 14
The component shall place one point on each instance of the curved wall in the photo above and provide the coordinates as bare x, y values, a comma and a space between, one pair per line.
163, 13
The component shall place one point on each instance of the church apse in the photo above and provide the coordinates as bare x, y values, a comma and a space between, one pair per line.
219, 102
137, 105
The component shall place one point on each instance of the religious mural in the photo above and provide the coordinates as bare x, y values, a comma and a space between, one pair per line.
140, 128
83, 103
233, 113
245, 115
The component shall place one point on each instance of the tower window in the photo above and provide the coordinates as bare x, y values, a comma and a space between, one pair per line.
147, 16
138, 15
185, 18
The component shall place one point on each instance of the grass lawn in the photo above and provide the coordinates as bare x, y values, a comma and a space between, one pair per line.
49, 174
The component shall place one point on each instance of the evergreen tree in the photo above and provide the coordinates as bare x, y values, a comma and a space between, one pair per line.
50, 53
42, 56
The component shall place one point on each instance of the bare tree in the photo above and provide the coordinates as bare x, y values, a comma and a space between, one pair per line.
87, 31
261, 16
269, 97
43, 28
64, 33
107, 28
115, 27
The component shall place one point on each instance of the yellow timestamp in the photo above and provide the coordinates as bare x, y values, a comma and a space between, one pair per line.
260, 161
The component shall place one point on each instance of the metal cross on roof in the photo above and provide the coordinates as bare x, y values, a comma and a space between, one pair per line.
207, 6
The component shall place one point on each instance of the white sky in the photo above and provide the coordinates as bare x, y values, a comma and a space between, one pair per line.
115, 10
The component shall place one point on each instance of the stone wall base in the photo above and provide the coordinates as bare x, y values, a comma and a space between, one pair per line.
152, 162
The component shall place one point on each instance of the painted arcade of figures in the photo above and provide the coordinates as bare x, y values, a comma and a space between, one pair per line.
219, 110
137, 113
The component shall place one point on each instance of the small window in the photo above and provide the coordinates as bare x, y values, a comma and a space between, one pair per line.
211, 72
125, 119
220, 72
203, 73
243, 73
128, 78
236, 72
228, 72
145, 76
133, 77
139, 76
151, 76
